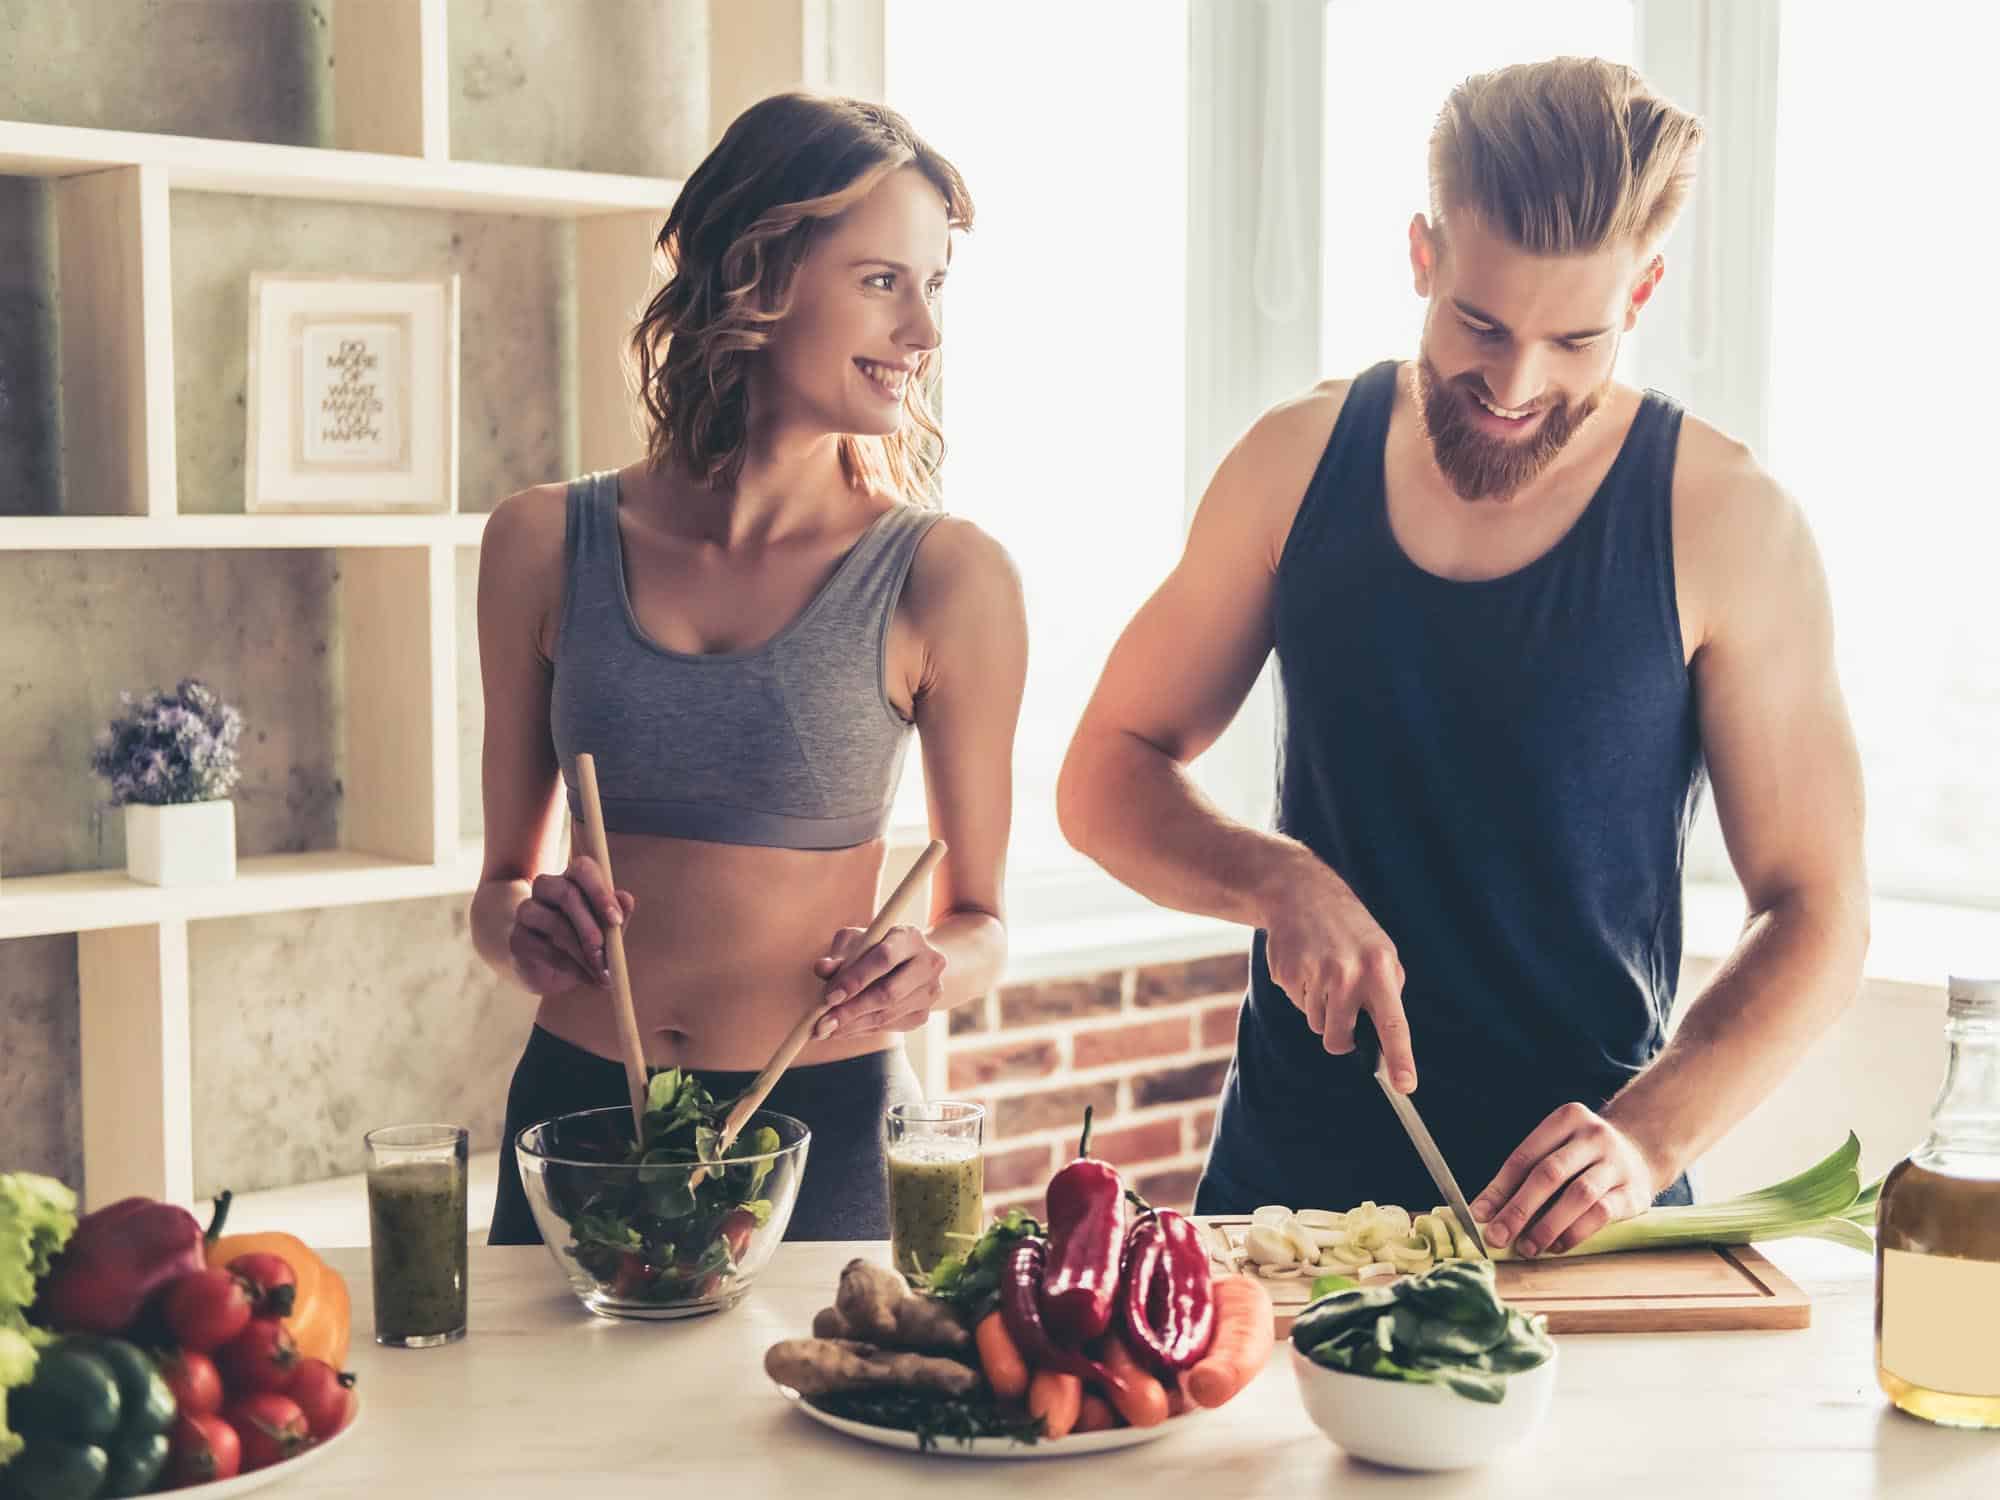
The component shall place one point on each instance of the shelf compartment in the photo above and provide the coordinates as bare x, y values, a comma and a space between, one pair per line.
84, 901
204, 533
264, 170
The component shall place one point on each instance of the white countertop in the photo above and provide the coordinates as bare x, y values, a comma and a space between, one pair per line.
541, 1399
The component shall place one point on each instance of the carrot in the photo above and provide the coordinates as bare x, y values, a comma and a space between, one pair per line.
1096, 1414
1136, 1395
1243, 1341
1005, 1370
1057, 1399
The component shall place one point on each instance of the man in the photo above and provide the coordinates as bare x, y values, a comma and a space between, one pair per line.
1519, 610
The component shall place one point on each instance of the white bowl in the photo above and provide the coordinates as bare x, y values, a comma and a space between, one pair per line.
1410, 1426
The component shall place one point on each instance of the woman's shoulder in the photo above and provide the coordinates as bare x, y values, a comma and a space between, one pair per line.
961, 570
521, 552
525, 531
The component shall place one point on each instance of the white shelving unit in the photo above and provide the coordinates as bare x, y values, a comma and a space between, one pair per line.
399, 836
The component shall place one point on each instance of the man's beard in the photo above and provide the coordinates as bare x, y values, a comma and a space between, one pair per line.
1482, 467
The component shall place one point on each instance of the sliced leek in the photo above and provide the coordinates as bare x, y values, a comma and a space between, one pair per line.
1825, 1201
1817, 1202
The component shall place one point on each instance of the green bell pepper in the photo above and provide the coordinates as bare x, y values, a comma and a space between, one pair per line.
96, 1417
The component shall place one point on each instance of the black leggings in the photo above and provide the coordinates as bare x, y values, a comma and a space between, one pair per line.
844, 1193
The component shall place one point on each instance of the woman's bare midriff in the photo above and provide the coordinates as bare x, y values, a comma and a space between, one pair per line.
721, 950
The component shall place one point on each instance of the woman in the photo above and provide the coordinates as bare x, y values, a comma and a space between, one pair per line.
744, 628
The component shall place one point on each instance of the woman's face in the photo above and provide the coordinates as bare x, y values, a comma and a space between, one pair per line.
864, 311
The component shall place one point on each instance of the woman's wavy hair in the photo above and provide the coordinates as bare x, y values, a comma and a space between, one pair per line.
784, 170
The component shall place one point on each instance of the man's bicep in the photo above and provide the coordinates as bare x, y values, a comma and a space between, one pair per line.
1184, 665
1189, 658
1775, 730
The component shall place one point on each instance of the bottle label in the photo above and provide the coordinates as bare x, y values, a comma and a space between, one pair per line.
1941, 1322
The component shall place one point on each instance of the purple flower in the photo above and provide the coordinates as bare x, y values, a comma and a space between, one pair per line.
170, 747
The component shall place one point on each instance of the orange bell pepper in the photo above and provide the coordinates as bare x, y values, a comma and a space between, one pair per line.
320, 1309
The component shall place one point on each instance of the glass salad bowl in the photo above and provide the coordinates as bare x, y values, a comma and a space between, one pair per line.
643, 1239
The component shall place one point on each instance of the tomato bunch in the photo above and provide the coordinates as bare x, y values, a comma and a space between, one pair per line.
247, 1397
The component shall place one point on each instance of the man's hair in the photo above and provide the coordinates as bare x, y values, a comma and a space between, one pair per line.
1563, 157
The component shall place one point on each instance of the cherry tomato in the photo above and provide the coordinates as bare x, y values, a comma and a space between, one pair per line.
273, 1283
633, 1277
263, 1357
201, 1449
737, 1227
323, 1394
271, 1427
195, 1382
206, 1309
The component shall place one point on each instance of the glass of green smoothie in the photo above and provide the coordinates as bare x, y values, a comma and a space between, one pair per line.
937, 1180
417, 1233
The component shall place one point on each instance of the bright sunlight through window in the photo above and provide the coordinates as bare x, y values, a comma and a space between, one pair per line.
1883, 333
1064, 322
1388, 70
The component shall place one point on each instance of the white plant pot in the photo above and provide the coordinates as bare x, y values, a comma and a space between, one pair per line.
186, 843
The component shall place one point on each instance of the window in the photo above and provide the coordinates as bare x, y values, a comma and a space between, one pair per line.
1064, 320
1883, 335
1388, 71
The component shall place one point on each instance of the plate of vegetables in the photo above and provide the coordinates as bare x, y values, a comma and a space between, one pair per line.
139, 1353
1102, 1329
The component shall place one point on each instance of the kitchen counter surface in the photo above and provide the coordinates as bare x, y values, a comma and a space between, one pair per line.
541, 1399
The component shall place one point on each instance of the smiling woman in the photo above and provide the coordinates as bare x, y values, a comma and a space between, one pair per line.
743, 630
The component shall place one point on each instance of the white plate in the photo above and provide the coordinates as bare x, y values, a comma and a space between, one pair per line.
243, 1484
1076, 1445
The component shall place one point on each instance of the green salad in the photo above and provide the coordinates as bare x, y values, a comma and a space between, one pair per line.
1446, 1327
649, 1236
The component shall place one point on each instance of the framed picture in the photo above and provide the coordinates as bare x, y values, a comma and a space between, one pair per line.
353, 394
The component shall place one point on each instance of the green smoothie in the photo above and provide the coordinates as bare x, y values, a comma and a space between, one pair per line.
935, 1193
416, 1239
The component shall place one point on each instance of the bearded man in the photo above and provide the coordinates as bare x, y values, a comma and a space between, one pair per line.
1521, 614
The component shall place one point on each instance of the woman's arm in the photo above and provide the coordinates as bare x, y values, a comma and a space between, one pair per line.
964, 603
542, 931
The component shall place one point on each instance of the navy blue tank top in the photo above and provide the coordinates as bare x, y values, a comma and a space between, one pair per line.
1504, 771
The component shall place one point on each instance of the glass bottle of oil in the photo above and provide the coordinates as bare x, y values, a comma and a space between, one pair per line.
1937, 1239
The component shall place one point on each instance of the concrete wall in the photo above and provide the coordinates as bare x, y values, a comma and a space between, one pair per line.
308, 1027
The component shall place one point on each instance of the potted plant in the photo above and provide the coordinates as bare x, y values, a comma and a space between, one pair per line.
171, 763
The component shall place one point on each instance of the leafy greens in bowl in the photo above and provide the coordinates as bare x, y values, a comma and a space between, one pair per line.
1447, 1326
632, 1230
1429, 1372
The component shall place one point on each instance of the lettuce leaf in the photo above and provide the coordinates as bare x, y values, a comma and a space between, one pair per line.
37, 1217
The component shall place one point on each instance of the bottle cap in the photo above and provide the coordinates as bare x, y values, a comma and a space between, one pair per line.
1969, 998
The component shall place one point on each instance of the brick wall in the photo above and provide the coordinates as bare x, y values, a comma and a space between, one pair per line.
1147, 1046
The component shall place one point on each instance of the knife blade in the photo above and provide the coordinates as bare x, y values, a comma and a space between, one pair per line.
1420, 1136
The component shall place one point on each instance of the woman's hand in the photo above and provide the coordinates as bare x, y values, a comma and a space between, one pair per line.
889, 987
556, 941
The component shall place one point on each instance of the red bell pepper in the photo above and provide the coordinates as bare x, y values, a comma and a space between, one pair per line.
1087, 1222
118, 1257
1020, 1288
1168, 1300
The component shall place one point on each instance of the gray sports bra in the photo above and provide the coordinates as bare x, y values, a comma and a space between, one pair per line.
792, 743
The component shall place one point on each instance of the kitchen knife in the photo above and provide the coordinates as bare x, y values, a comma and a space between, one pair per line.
1369, 1047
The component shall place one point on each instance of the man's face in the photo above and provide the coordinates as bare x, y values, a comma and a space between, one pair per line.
1518, 349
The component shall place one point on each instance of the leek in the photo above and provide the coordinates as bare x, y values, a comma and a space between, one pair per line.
1825, 1201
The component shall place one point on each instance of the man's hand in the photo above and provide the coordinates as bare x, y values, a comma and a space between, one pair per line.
1573, 1175
1331, 959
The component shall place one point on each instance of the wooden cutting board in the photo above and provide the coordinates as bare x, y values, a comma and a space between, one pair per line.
1640, 1291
